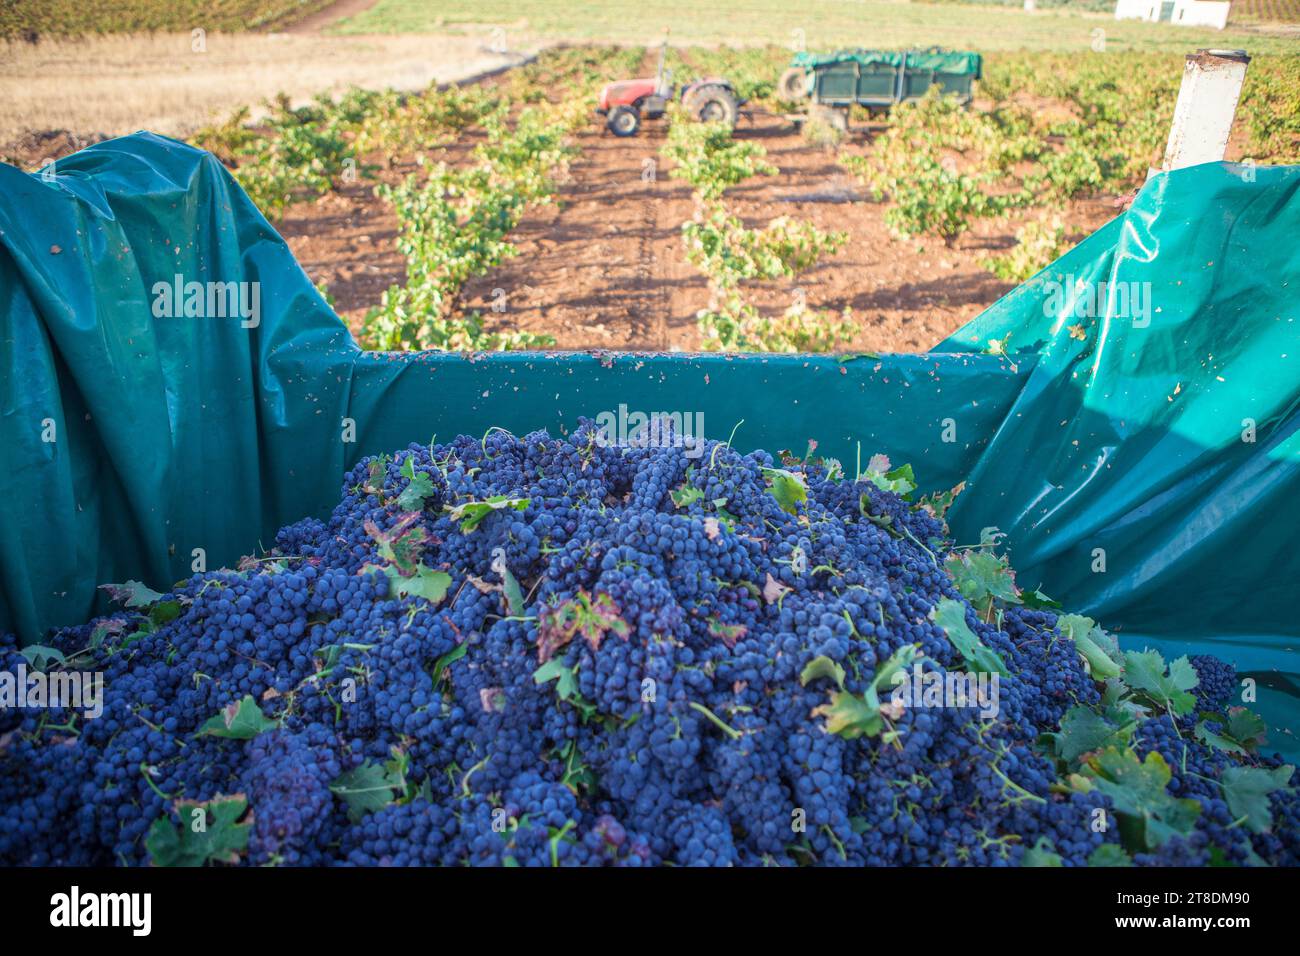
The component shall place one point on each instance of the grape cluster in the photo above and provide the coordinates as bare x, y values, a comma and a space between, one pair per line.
540, 651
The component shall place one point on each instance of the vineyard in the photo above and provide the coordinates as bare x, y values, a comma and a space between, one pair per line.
501, 215
28, 18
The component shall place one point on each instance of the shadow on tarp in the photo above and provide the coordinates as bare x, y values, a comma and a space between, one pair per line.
171, 434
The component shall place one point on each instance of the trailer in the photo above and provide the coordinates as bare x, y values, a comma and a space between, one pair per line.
832, 83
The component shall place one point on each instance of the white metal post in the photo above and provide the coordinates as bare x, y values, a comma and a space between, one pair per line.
1207, 102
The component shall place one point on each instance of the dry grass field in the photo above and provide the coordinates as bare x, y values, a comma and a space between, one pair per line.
121, 83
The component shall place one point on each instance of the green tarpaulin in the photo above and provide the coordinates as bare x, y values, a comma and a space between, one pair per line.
940, 61
1138, 443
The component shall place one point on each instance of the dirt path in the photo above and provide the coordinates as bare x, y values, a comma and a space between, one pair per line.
318, 21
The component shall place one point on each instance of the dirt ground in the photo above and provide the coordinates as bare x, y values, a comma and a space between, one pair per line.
604, 267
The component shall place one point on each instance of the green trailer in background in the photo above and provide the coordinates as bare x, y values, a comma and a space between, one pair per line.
876, 79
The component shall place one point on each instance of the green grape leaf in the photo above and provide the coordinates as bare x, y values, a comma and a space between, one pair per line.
1246, 727
1083, 731
686, 494
425, 582
555, 669
1042, 853
41, 657
901, 481
1218, 741
413, 495
131, 594
1247, 789
787, 488
401, 544
238, 720
1138, 791
164, 612
850, 716
514, 593
1109, 854
822, 666
1144, 671
980, 575
938, 503
446, 660
566, 687
582, 615
951, 616
1090, 641
1038, 601
214, 835
470, 514
369, 787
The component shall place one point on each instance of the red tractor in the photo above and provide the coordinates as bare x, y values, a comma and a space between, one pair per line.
624, 103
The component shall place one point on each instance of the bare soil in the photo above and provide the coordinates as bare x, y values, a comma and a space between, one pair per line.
604, 267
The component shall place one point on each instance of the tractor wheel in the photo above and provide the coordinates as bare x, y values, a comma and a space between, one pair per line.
793, 85
624, 121
713, 104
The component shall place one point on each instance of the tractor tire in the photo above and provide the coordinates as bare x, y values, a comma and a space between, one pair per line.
624, 121
713, 104
793, 85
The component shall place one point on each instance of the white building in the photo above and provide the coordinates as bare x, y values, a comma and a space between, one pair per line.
1188, 13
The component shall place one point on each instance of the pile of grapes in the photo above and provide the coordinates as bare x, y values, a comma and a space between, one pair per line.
539, 652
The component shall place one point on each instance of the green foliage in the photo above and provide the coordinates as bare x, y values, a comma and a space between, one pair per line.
371, 786
951, 616
1144, 673
1091, 641
719, 245
708, 158
455, 225
1270, 110
298, 154
787, 488
1084, 731
238, 720
470, 514
585, 616
1042, 853
42, 658
213, 835
1137, 788
1039, 242
935, 200
1241, 733
820, 667
736, 326
901, 480
1247, 789
852, 716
